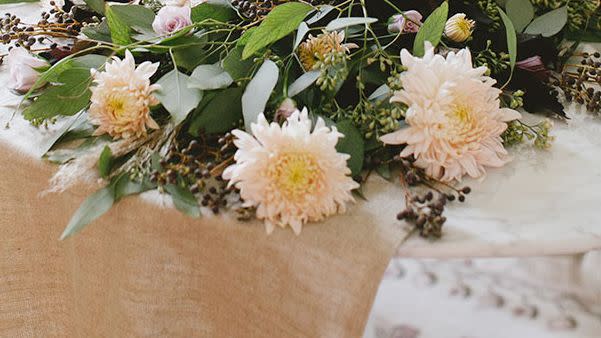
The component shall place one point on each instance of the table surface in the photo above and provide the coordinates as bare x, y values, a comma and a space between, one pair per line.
542, 203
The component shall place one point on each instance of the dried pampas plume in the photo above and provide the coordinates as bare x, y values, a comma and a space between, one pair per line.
84, 168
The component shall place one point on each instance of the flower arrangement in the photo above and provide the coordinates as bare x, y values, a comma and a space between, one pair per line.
281, 110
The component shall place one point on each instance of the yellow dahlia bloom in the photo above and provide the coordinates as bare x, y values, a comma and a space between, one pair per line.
291, 173
315, 49
454, 118
459, 28
122, 97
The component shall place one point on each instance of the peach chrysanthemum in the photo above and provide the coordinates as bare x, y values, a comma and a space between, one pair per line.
317, 48
290, 173
122, 97
454, 118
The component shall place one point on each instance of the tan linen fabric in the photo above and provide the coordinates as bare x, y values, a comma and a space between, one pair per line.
146, 271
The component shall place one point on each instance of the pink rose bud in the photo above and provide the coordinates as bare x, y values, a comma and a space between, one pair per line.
535, 66
23, 68
286, 109
409, 22
170, 19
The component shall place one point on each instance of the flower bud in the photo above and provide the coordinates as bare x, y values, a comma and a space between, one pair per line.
458, 28
408, 22
23, 68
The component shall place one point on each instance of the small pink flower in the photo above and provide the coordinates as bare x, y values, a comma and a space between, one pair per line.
170, 19
409, 22
22, 68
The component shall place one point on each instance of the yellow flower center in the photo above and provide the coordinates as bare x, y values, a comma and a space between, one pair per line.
462, 115
462, 127
117, 106
296, 175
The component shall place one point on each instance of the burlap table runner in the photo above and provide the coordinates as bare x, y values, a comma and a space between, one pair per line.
146, 271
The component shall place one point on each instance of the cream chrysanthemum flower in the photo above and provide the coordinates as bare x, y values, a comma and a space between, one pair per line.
122, 97
290, 173
454, 117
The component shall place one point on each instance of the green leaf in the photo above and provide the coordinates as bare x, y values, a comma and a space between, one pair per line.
259, 91
69, 123
219, 113
184, 200
209, 77
246, 36
550, 23
99, 32
384, 171
120, 31
124, 187
96, 5
175, 95
353, 144
93, 207
512, 40
521, 13
347, 22
138, 17
431, 30
190, 57
235, 66
217, 12
280, 22
303, 82
68, 98
105, 162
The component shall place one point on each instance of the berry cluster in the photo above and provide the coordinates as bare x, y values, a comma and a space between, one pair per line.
257, 9
580, 82
55, 26
198, 164
425, 211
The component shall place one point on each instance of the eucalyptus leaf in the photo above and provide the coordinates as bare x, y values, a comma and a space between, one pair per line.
124, 186
521, 13
431, 30
258, 92
92, 208
303, 82
380, 92
549, 23
353, 144
512, 41
209, 77
320, 13
280, 22
67, 124
302, 30
184, 200
340, 23
221, 112
105, 162
175, 95
235, 66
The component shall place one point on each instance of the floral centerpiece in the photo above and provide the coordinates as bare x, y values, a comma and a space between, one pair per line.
281, 110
